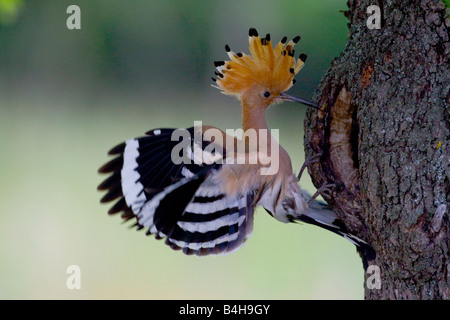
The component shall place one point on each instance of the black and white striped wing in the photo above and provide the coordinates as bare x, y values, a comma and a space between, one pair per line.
175, 201
197, 219
142, 168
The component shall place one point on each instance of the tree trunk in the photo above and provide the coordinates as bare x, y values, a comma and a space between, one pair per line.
385, 143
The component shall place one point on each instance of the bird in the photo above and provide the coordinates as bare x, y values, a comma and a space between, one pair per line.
200, 194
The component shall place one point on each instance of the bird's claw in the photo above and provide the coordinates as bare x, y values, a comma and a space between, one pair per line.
325, 189
310, 160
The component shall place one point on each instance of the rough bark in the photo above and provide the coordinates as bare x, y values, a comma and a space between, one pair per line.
385, 143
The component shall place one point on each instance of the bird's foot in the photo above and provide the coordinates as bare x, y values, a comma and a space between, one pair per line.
309, 161
325, 189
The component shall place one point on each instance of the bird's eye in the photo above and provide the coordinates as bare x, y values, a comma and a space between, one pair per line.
267, 94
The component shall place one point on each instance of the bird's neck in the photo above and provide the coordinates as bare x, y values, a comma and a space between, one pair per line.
254, 122
253, 118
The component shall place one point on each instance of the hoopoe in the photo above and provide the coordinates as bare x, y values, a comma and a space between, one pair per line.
206, 206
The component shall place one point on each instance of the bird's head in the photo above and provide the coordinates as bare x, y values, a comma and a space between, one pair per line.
261, 78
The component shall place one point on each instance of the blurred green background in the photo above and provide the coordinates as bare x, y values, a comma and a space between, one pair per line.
67, 96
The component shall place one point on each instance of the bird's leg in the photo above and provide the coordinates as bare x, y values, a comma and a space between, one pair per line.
309, 161
326, 188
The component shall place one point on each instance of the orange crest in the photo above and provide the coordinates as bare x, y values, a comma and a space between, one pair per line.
273, 68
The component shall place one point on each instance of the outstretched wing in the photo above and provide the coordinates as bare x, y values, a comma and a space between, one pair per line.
176, 200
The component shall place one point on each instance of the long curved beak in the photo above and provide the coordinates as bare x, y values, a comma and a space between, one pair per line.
287, 97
